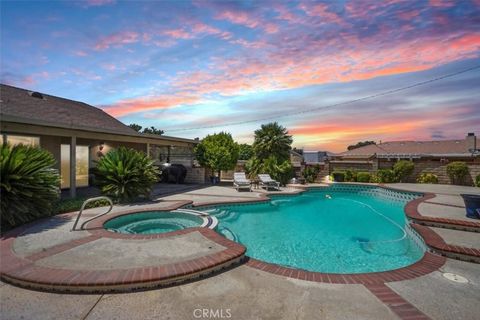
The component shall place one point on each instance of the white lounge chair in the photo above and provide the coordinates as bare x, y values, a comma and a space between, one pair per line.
268, 182
241, 181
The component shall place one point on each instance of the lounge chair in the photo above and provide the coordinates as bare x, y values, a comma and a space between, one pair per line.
241, 181
266, 181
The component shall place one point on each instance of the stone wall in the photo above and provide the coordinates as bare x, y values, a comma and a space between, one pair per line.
195, 175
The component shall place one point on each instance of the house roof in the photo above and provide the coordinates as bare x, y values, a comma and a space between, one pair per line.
21, 106
394, 148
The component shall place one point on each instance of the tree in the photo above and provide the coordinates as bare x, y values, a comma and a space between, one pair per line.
151, 130
360, 144
271, 153
135, 127
403, 169
217, 152
245, 151
272, 139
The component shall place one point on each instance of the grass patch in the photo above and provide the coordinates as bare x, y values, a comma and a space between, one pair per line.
69, 205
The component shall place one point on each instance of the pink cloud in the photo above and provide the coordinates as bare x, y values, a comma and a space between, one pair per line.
178, 34
247, 20
321, 10
117, 39
441, 3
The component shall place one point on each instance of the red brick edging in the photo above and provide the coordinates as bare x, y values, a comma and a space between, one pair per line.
434, 241
411, 210
24, 272
401, 307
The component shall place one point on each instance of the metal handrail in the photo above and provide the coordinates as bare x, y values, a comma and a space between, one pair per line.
98, 215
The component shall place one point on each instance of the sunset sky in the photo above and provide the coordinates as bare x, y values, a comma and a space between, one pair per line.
180, 65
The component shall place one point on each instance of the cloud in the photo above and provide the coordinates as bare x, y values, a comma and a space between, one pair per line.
117, 39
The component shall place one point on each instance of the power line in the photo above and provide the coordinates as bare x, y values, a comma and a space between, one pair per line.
293, 113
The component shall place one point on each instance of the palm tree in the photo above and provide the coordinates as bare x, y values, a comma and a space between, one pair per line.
272, 140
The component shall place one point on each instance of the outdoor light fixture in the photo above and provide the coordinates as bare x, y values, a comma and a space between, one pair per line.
102, 145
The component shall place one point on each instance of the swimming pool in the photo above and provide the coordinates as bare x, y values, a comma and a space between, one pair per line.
153, 222
340, 229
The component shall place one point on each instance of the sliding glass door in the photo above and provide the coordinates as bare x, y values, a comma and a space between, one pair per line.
81, 173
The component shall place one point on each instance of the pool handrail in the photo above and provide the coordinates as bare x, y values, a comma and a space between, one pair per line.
97, 216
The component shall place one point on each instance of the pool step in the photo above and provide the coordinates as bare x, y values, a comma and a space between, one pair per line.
455, 250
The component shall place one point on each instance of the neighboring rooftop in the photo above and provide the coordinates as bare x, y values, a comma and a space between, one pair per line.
432, 148
24, 106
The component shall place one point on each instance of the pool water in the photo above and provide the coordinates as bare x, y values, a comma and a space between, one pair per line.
325, 230
152, 222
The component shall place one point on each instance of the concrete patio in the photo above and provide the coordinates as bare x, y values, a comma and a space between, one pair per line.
242, 291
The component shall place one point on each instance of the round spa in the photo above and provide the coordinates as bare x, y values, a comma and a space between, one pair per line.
154, 222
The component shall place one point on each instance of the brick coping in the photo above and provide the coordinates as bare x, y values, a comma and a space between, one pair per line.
412, 212
16, 269
24, 272
436, 242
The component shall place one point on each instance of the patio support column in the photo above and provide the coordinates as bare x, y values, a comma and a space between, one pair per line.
148, 149
73, 166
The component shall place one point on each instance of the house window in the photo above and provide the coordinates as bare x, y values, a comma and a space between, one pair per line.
81, 174
25, 140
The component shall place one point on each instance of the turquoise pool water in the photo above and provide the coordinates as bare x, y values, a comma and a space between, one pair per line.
330, 230
152, 222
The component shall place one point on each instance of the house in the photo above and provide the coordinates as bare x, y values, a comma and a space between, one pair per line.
78, 134
428, 156
316, 157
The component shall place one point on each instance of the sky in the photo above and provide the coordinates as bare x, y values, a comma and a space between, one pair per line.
195, 68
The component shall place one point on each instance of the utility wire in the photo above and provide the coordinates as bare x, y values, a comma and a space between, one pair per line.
293, 113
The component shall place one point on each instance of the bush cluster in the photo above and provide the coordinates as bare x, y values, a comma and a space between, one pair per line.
29, 184
427, 177
125, 174
310, 173
402, 170
457, 171
69, 205
477, 180
363, 177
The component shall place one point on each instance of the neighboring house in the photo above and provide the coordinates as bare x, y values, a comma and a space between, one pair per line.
316, 157
428, 156
75, 130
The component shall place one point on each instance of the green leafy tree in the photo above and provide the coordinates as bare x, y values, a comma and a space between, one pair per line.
245, 151
271, 153
124, 174
217, 152
360, 144
29, 184
272, 139
151, 130
403, 169
135, 127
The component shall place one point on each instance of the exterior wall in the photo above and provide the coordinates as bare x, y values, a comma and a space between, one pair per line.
195, 175
438, 168
424, 165
228, 175
52, 144
357, 166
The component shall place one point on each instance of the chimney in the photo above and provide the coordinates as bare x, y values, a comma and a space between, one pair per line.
471, 142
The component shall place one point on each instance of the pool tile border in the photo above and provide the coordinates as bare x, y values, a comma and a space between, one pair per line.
24, 272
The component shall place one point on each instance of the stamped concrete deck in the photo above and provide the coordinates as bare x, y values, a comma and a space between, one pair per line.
244, 292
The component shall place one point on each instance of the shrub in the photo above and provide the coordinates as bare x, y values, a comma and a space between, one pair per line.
125, 174
280, 171
403, 169
427, 177
386, 176
310, 173
338, 176
350, 175
457, 171
363, 177
374, 178
29, 184
477, 180
69, 205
